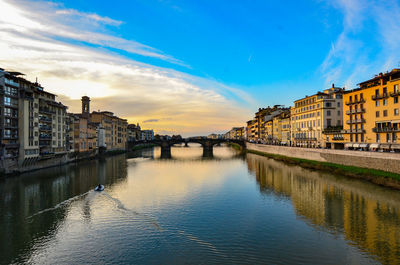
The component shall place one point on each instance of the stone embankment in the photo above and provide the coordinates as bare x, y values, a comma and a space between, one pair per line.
380, 168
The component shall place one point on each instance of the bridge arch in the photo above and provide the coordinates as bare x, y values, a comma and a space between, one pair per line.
206, 143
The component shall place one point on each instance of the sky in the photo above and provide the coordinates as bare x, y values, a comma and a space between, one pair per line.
196, 67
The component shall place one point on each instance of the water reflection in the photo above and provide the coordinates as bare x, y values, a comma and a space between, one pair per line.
188, 209
366, 214
24, 198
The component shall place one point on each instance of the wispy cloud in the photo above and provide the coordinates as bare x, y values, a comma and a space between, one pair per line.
369, 41
38, 44
151, 120
91, 16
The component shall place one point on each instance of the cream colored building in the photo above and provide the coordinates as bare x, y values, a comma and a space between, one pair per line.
311, 115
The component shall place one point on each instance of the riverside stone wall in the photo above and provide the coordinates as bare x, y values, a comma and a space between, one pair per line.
383, 161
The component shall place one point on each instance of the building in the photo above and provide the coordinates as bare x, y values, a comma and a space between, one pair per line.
236, 133
312, 115
251, 130
279, 126
272, 129
147, 135
372, 114
133, 132
115, 129
9, 97
215, 136
32, 123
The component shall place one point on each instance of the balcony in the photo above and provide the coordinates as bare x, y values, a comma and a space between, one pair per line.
338, 138
45, 128
354, 131
10, 136
10, 126
11, 145
46, 110
361, 100
44, 143
45, 119
355, 121
395, 93
305, 138
385, 129
354, 111
379, 96
11, 104
332, 130
45, 136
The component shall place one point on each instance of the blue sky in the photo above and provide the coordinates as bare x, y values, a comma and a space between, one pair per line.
204, 65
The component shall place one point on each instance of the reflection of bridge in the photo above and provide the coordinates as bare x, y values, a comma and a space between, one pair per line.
206, 143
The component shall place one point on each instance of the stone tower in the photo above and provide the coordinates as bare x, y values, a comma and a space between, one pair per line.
86, 107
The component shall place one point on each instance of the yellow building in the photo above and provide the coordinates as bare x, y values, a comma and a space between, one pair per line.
115, 129
251, 130
372, 113
312, 115
269, 131
284, 125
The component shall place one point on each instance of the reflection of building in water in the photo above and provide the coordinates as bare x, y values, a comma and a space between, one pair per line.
366, 214
24, 196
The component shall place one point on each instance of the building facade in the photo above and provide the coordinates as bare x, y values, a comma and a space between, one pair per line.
114, 127
372, 118
147, 135
312, 115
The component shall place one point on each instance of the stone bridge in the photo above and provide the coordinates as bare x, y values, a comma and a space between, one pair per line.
206, 143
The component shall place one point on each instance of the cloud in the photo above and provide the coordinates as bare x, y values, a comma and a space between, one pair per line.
368, 44
151, 120
92, 16
38, 44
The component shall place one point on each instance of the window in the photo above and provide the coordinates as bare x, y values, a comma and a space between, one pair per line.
338, 104
396, 100
377, 103
396, 112
385, 113
396, 88
378, 138
385, 102
384, 90
377, 114
388, 137
328, 113
338, 112
328, 122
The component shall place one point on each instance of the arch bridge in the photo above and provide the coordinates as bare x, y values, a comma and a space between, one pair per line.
206, 143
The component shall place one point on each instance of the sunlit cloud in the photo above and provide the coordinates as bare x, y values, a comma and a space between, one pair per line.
50, 45
368, 44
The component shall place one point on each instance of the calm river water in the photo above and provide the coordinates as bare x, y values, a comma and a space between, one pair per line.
230, 209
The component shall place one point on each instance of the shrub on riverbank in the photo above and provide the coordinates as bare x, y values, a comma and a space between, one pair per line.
379, 177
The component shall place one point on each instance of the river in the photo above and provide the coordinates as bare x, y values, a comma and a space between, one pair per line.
229, 209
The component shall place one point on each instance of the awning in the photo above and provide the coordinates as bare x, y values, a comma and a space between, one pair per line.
385, 146
283, 142
348, 145
363, 145
395, 146
371, 146
356, 145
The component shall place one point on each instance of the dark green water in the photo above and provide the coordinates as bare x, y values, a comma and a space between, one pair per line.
189, 210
